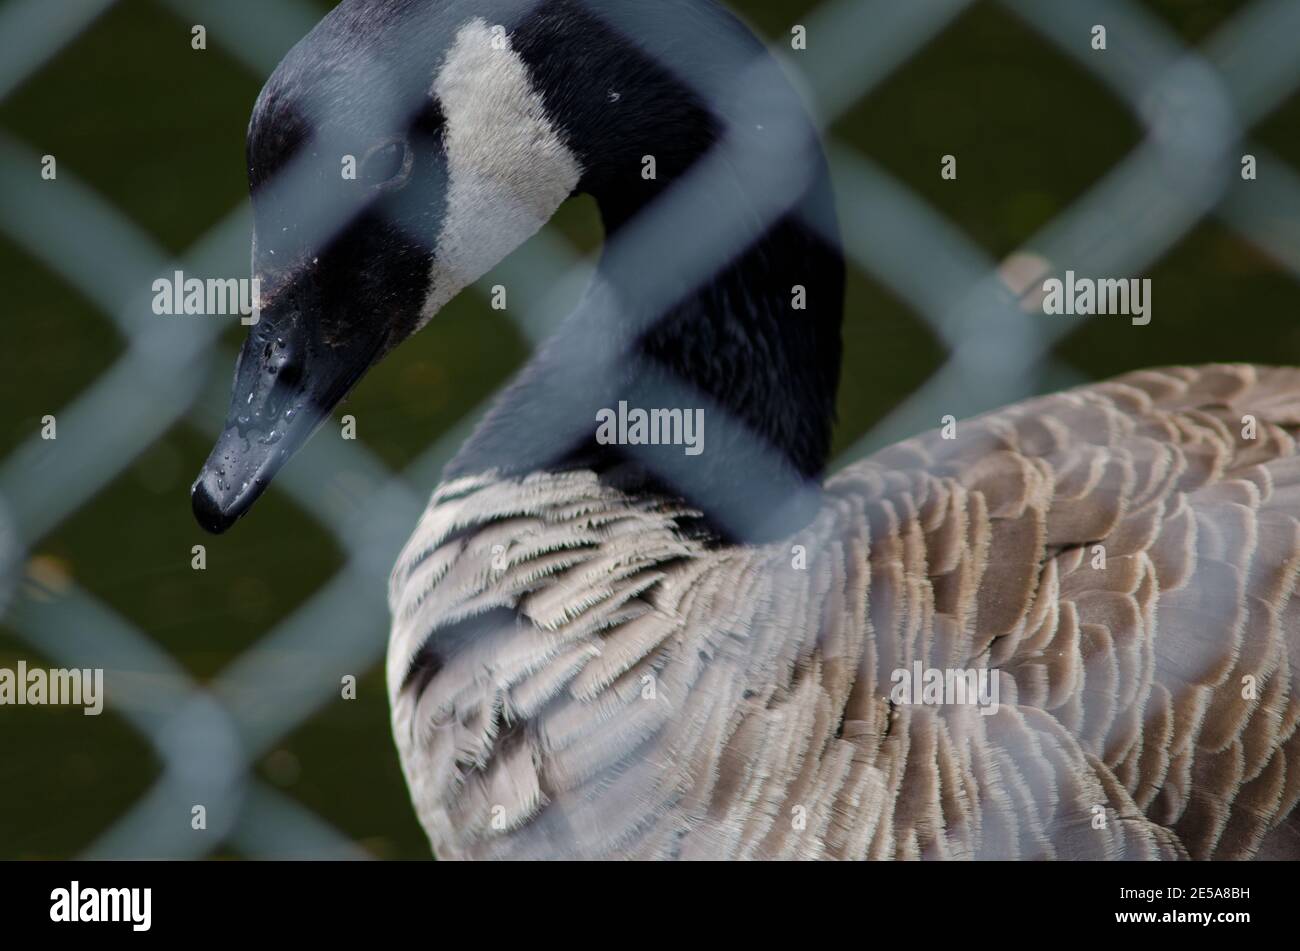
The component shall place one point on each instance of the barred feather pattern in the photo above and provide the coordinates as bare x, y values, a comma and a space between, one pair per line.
573, 676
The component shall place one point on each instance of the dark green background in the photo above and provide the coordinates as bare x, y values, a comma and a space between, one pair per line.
158, 130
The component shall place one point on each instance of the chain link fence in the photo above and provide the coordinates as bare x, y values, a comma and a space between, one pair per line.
1196, 108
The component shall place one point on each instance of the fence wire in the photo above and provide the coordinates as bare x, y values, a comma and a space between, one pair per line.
1195, 108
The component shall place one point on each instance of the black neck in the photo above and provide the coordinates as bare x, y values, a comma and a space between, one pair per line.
696, 303
764, 373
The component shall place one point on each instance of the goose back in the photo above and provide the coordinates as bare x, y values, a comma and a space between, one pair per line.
573, 675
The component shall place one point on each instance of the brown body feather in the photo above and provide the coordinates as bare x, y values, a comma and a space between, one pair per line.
629, 692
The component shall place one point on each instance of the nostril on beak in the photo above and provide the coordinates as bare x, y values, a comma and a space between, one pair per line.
285, 370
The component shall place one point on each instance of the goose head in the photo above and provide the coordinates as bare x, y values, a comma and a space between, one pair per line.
401, 150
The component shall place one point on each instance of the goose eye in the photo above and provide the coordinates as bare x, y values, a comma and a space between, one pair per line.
384, 163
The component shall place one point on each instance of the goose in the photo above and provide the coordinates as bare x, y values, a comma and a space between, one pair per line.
618, 649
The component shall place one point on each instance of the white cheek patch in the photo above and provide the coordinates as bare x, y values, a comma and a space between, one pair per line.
508, 170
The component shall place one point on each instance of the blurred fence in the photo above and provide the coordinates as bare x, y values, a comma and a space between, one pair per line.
1195, 107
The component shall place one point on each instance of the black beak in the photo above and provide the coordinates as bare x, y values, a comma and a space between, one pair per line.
287, 380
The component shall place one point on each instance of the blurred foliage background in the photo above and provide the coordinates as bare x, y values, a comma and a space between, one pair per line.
157, 129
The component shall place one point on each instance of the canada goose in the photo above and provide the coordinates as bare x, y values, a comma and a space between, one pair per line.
630, 651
